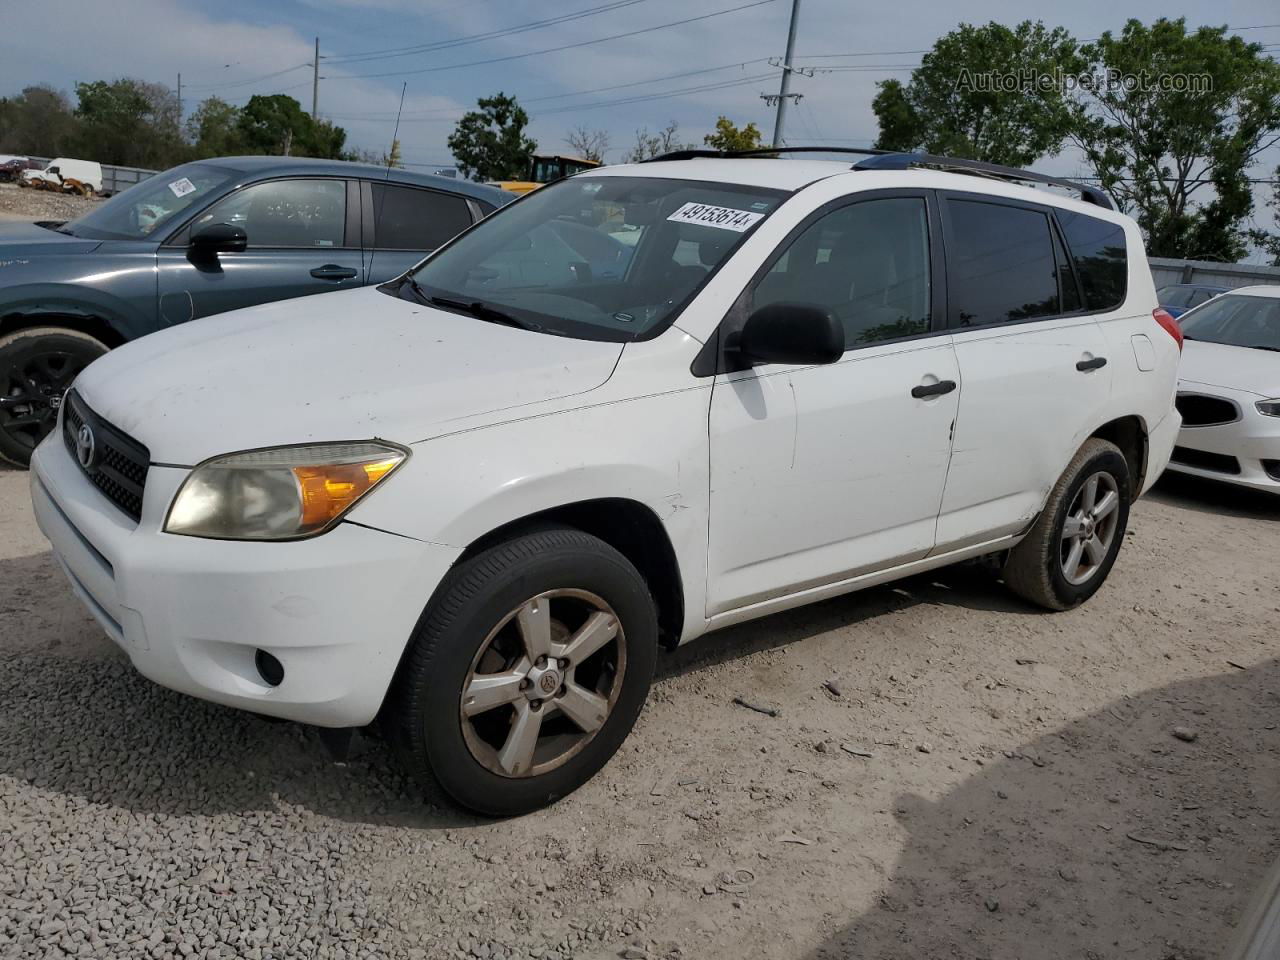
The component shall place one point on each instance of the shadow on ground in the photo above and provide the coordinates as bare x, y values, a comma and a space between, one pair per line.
1209, 496
1082, 842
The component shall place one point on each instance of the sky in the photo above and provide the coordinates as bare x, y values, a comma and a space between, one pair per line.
689, 72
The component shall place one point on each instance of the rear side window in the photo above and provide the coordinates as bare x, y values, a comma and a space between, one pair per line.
1101, 258
406, 218
1001, 264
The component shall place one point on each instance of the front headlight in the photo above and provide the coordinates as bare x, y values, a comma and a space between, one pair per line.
279, 494
1268, 408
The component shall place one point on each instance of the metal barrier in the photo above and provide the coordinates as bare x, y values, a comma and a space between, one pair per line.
1230, 275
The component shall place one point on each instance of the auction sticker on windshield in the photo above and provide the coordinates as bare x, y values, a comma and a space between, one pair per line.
182, 187
724, 218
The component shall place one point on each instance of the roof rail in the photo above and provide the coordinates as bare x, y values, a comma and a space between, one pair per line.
895, 160
905, 161
762, 152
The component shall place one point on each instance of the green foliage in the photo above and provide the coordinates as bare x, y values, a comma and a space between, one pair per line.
490, 143
946, 108
1177, 159
278, 125
128, 122
214, 129
37, 122
727, 136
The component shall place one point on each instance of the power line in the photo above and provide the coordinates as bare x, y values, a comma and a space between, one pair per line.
392, 52
251, 80
567, 46
723, 85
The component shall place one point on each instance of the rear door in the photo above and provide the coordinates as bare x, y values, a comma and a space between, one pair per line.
404, 223
1033, 365
303, 238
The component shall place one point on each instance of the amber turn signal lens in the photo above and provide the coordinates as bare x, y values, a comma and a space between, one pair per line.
329, 490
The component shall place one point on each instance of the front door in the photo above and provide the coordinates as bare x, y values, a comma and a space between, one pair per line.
300, 241
823, 473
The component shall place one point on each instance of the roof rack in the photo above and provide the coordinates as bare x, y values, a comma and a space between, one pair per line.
894, 160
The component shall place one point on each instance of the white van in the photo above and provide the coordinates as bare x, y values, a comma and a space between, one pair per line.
473, 503
64, 173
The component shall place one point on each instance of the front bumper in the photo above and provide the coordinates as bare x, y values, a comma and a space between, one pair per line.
335, 610
1245, 452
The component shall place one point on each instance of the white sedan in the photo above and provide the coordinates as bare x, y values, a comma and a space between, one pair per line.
1229, 390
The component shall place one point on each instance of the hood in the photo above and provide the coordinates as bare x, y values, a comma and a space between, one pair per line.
1236, 368
351, 365
19, 240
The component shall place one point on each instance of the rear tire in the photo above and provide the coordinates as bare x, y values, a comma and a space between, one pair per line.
558, 590
1074, 543
37, 365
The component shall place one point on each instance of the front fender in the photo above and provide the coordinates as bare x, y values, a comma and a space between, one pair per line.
123, 296
457, 488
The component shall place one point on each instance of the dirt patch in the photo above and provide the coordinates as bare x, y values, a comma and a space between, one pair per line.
24, 203
950, 773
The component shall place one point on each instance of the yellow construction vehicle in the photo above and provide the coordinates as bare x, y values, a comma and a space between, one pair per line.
545, 169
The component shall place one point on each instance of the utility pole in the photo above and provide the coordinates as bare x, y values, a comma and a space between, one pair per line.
315, 82
784, 91
179, 99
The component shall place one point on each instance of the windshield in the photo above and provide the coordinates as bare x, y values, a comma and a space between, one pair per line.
597, 258
1237, 320
144, 208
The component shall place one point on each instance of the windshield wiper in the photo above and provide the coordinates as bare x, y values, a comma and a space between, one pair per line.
481, 311
415, 287
1263, 346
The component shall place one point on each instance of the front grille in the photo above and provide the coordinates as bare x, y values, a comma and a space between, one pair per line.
1273, 468
1200, 411
118, 466
1217, 462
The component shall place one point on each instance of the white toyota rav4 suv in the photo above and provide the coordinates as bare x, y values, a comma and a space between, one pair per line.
637, 405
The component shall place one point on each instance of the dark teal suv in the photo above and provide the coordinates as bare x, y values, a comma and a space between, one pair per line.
196, 240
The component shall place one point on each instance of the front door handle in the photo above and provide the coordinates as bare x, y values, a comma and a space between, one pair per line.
332, 271
933, 389
1097, 363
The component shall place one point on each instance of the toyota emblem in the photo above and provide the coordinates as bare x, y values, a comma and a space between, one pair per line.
85, 446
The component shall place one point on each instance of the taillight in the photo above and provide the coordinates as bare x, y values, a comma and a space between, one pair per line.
1170, 324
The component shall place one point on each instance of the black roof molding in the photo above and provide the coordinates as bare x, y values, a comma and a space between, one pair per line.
893, 160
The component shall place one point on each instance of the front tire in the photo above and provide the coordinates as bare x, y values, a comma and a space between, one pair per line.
526, 672
1074, 543
37, 366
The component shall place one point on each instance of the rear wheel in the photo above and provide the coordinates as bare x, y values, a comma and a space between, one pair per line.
1074, 543
36, 368
526, 673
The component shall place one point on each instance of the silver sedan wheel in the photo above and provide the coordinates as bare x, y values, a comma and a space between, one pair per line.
543, 683
1090, 528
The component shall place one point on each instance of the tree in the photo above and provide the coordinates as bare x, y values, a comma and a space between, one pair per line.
129, 122
589, 144
1170, 151
729, 137
986, 93
214, 129
278, 125
37, 122
490, 143
649, 145
1269, 242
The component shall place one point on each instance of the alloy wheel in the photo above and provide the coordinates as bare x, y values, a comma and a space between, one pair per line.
31, 391
543, 683
1090, 528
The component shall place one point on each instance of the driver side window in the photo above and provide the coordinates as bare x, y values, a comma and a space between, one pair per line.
866, 263
285, 213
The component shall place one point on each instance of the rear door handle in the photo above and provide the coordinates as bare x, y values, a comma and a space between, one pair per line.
933, 389
332, 271
1097, 363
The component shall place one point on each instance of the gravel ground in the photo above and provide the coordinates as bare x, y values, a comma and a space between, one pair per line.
24, 203
951, 774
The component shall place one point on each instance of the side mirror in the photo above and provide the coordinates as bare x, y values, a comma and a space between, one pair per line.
218, 238
792, 333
